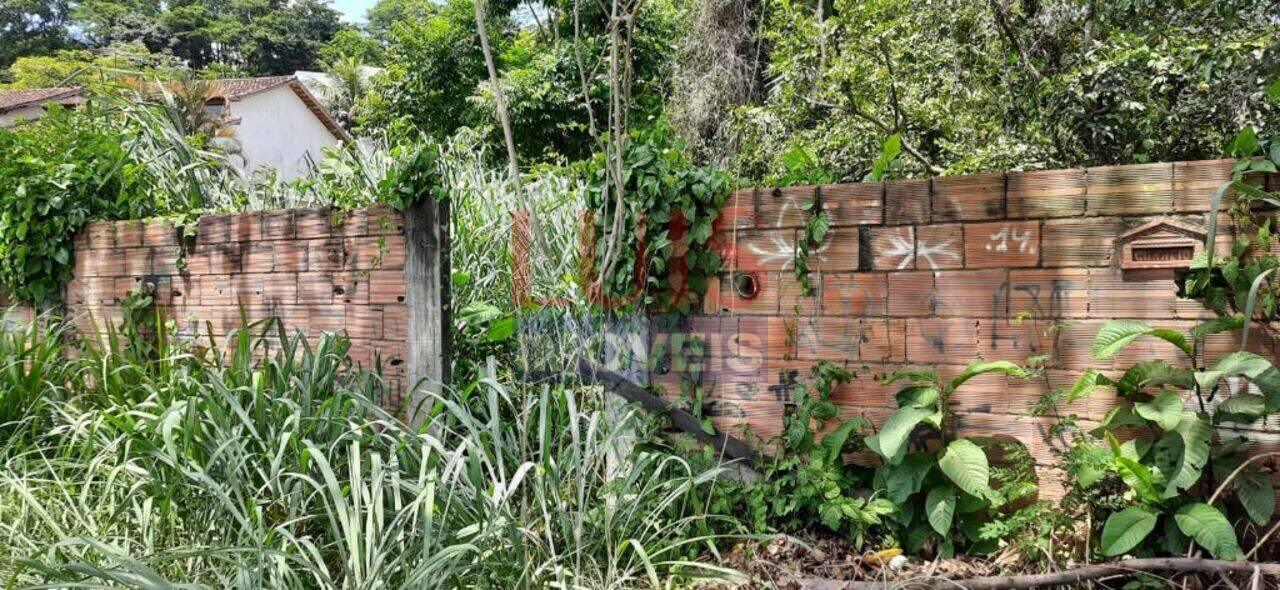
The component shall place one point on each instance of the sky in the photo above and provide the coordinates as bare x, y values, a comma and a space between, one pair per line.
353, 10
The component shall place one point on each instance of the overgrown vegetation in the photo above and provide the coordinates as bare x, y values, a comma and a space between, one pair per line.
268, 461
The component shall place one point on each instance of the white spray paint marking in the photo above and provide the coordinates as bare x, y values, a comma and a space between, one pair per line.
928, 251
999, 241
778, 249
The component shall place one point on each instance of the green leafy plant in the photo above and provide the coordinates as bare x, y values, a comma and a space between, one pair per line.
809, 482
925, 466
1175, 457
658, 225
1243, 281
817, 223
55, 175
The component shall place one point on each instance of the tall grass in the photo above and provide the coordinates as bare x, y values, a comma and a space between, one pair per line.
483, 204
265, 462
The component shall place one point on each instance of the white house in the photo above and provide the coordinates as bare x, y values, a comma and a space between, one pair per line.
275, 121
24, 105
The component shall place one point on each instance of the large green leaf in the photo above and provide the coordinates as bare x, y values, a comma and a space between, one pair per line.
833, 444
918, 396
940, 507
1139, 479
1086, 384
906, 478
1257, 495
1218, 325
1125, 529
1152, 374
1210, 529
1195, 434
1165, 409
1252, 300
1242, 407
966, 465
1117, 417
1117, 334
893, 436
1257, 369
975, 369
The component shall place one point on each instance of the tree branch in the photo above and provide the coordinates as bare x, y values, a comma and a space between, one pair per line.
882, 126
500, 104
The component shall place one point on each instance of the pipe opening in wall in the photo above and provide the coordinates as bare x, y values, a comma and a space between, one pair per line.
745, 285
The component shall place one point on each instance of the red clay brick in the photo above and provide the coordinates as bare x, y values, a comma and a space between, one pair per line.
762, 250
971, 293
853, 204
793, 299
942, 341
1049, 293
388, 286
908, 202
893, 248
1013, 340
1002, 244
137, 261
395, 324
1114, 294
259, 257
325, 255
277, 225
855, 294
1046, 193
939, 247
313, 223
315, 288
101, 234
1194, 183
129, 234
291, 256
766, 298
968, 198
1080, 242
911, 293
352, 288
376, 253
837, 252
364, 321
784, 207
1131, 189
159, 234
882, 340
775, 336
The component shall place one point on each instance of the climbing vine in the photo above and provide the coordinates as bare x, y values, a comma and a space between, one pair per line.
1242, 281
654, 230
816, 225
56, 175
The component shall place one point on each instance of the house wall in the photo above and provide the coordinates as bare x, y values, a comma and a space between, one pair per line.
315, 270
938, 273
13, 117
277, 130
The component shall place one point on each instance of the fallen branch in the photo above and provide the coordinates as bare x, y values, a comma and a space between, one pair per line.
1072, 576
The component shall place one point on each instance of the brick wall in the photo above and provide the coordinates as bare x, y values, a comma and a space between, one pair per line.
938, 273
316, 270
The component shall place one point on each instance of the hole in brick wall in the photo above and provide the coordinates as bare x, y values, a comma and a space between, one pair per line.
395, 362
338, 290
745, 285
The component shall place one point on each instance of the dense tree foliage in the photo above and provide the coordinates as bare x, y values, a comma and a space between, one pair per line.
964, 85
256, 36
1001, 84
551, 56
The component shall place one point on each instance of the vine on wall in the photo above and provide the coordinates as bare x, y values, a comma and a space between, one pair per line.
655, 229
